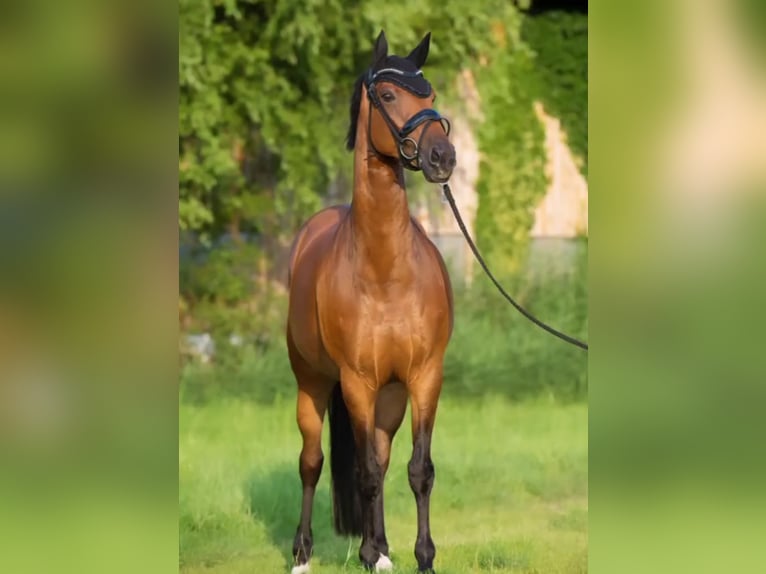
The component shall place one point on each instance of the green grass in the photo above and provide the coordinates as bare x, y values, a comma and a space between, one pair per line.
510, 493
510, 446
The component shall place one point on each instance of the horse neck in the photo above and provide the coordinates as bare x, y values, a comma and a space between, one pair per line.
381, 216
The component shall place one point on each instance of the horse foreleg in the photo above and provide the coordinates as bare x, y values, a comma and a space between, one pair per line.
389, 412
360, 394
424, 394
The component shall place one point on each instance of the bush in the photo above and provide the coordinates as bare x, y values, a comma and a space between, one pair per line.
495, 349
225, 291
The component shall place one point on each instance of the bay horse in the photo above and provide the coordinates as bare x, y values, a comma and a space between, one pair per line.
370, 312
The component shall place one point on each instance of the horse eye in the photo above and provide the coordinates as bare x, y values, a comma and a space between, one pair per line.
387, 97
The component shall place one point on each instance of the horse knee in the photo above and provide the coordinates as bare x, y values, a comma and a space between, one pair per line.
421, 473
311, 466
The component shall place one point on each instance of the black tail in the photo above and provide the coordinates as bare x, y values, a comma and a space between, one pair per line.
347, 507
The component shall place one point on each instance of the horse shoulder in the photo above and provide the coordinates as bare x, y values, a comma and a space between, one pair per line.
314, 227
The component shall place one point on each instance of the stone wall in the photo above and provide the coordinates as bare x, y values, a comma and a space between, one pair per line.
563, 212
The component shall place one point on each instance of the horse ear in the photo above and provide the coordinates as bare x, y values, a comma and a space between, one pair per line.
418, 55
380, 51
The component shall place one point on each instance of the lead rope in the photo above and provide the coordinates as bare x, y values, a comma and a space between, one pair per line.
480, 259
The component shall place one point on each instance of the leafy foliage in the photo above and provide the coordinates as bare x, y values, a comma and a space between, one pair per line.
259, 83
512, 173
264, 90
264, 87
560, 42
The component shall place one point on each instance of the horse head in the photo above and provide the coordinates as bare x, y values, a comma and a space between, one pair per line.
402, 122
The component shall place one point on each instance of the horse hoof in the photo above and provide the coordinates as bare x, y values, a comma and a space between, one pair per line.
300, 568
383, 564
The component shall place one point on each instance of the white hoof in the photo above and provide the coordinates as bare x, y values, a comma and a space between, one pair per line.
383, 563
300, 569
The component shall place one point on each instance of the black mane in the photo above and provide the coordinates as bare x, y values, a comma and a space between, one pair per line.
356, 102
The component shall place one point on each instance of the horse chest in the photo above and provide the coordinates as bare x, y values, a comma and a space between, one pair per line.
384, 336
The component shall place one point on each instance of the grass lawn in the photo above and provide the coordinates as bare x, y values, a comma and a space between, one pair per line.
510, 493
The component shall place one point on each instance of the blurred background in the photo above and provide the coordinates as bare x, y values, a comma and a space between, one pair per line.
94, 446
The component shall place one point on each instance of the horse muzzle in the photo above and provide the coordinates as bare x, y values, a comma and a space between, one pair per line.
439, 161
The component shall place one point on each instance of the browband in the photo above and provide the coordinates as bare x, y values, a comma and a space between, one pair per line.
422, 88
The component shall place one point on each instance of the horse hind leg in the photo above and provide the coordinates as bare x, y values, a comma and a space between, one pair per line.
371, 433
313, 395
311, 409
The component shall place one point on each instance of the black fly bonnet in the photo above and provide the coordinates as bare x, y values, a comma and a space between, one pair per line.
403, 73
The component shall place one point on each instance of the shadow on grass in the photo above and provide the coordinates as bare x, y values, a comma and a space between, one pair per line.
275, 501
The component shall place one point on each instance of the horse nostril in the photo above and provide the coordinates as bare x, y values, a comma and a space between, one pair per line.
452, 162
435, 156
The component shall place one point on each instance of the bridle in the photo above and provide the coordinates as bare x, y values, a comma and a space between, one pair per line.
409, 149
